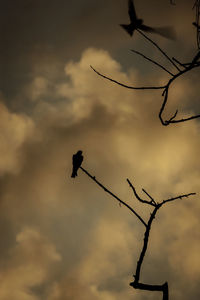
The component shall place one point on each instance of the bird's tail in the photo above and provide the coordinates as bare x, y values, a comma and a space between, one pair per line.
128, 28
167, 32
74, 174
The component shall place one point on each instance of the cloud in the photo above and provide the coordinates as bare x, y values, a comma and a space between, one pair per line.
99, 242
15, 129
29, 265
38, 88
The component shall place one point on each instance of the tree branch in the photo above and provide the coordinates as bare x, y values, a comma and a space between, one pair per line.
145, 244
153, 61
178, 197
149, 287
156, 45
128, 86
113, 195
136, 284
152, 202
166, 93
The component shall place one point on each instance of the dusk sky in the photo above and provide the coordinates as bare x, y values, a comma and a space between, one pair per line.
64, 238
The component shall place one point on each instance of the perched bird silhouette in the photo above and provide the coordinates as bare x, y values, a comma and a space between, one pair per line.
136, 23
76, 161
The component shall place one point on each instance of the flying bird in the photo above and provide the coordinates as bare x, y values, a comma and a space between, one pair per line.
136, 23
76, 161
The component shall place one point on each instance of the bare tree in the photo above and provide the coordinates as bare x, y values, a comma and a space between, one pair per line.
179, 69
136, 284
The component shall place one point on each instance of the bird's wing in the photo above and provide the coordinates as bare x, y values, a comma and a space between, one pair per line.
81, 159
74, 158
127, 28
167, 32
131, 11
147, 28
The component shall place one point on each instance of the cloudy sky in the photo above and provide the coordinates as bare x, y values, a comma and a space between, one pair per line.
64, 238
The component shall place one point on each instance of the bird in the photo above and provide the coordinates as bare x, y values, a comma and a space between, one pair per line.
136, 23
76, 162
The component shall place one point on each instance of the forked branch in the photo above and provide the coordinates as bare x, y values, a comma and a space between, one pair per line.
157, 205
181, 68
114, 196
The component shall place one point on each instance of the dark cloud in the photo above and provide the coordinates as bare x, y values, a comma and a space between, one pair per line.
39, 36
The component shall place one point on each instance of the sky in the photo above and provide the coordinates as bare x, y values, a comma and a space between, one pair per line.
65, 238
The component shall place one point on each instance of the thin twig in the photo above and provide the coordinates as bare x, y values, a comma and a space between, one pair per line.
153, 61
114, 196
156, 45
152, 200
196, 58
128, 86
178, 62
138, 197
178, 197
184, 119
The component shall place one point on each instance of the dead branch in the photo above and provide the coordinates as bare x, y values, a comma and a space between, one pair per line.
178, 197
128, 86
159, 48
152, 202
136, 284
165, 94
186, 67
114, 196
153, 61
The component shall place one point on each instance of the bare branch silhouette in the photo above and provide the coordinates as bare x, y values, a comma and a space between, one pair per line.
138, 197
128, 86
165, 88
181, 68
149, 196
136, 284
114, 196
159, 48
178, 197
165, 94
153, 61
